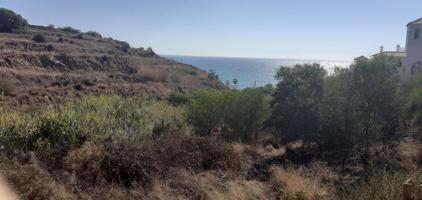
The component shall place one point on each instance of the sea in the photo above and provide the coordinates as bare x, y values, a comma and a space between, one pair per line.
250, 72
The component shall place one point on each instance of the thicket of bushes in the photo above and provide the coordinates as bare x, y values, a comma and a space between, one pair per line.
236, 115
7, 88
91, 119
39, 38
385, 185
69, 29
114, 140
343, 112
152, 75
11, 22
94, 34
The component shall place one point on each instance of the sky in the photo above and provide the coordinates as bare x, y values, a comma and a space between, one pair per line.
295, 29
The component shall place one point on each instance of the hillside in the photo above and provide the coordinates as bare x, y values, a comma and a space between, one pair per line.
65, 63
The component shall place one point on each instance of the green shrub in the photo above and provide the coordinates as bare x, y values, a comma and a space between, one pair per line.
244, 114
213, 75
124, 47
16, 131
39, 38
177, 99
11, 22
70, 29
80, 36
7, 88
90, 119
205, 111
383, 186
238, 115
94, 34
414, 106
125, 119
56, 131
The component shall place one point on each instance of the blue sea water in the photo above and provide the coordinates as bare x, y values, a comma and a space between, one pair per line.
249, 71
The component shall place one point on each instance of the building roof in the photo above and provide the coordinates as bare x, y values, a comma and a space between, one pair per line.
418, 21
396, 54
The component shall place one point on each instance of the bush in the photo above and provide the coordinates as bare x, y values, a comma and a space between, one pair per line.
129, 165
70, 29
39, 38
7, 88
50, 47
205, 111
152, 75
414, 106
94, 34
16, 131
245, 114
212, 75
90, 119
11, 22
124, 47
33, 182
238, 115
177, 99
380, 187
297, 100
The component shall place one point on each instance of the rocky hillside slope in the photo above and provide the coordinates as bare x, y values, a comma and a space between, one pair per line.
46, 65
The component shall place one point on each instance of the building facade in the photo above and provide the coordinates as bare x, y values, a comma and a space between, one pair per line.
413, 60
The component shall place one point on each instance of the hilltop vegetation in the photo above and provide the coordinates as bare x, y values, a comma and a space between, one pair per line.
87, 117
46, 65
226, 144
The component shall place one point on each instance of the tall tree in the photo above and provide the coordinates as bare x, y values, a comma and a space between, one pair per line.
296, 102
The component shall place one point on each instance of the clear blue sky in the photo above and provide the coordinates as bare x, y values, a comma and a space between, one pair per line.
310, 29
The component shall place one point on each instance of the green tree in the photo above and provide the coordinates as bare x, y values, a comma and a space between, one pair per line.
235, 82
205, 111
414, 107
237, 115
376, 86
227, 83
296, 102
337, 112
245, 114
11, 22
413, 93
177, 99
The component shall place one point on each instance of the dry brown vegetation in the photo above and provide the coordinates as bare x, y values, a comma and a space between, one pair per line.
113, 147
176, 167
65, 66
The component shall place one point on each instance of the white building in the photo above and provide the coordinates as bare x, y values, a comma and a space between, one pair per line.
413, 61
411, 56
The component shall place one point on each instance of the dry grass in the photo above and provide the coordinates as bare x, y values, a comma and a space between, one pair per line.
7, 88
152, 75
48, 73
293, 182
129, 165
208, 185
33, 182
410, 153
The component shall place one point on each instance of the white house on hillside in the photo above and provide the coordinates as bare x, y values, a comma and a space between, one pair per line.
413, 60
411, 56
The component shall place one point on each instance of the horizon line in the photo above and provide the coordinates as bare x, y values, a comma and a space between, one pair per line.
267, 58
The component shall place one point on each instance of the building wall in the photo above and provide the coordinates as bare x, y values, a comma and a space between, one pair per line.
413, 47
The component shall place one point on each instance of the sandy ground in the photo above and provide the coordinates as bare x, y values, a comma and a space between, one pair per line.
6, 193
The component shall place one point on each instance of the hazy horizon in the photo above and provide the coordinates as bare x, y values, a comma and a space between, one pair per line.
323, 30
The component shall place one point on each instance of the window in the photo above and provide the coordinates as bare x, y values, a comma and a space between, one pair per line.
417, 33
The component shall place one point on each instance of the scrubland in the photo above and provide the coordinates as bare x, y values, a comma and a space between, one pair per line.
87, 117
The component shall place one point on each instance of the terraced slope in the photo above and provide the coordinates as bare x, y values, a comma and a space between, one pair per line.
69, 64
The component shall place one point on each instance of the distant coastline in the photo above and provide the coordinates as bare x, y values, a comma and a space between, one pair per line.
250, 72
